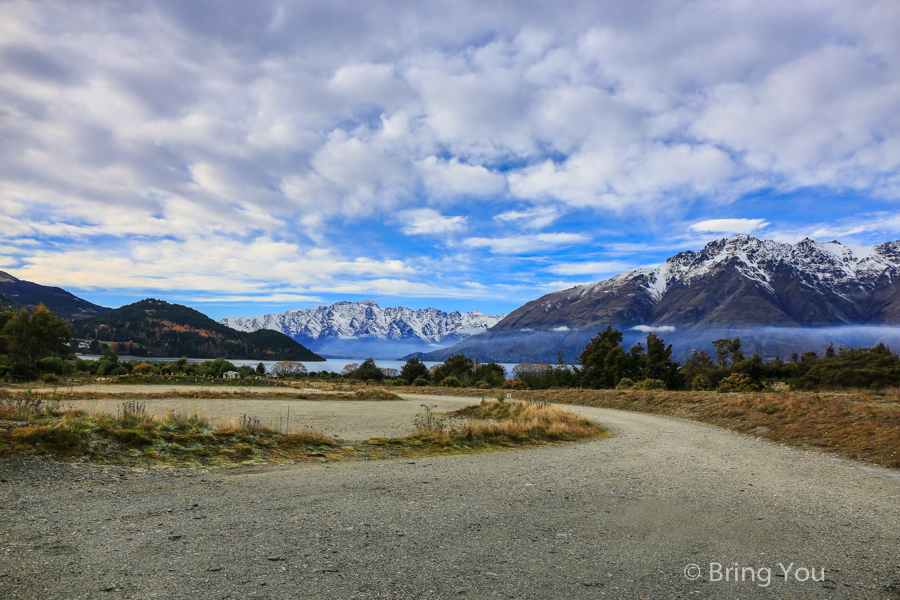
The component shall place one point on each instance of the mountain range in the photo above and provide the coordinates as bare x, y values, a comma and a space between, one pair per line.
779, 296
354, 329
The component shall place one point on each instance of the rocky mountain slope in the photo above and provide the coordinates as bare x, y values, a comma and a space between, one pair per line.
357, 328
63, 304
734, 284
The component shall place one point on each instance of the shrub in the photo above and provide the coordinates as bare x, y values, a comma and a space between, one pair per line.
451, 382
651, 384
50, 378
514, 384
701, 383
142, 369
484, 385
401, 382
738, 382
420, 381
625, 384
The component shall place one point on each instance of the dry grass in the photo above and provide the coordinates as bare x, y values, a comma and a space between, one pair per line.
372, 394
492, 424
32, 425
512, 421
126, 432
857, 424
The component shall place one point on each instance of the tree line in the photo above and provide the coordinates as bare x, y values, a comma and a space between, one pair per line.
34, 344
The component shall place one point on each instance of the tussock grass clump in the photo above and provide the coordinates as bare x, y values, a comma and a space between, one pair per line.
515, 421
29, 426
374, 394
490, 424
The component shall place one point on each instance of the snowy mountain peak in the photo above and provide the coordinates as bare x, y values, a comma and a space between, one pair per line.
366, 319
828, 266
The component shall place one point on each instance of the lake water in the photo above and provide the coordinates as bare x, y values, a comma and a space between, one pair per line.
333, 365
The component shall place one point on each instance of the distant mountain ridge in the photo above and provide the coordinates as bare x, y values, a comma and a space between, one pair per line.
738, 283
348, 328
156, 328
61, 303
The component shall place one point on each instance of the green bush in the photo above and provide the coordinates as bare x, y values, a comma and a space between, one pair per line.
420, 381
701, 383
484, 385
451, 382
625, 383
738, 382
401, 382
651, 384
50, 378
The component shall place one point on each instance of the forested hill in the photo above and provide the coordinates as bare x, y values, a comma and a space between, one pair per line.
156, 328
15, 293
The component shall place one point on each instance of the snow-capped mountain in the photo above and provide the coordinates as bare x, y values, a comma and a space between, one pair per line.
349, 328
739, 283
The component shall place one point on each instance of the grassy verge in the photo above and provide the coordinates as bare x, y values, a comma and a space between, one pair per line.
859, 424
493, 424
31, 424
75, 394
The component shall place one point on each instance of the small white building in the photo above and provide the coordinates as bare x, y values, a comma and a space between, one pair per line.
231, 375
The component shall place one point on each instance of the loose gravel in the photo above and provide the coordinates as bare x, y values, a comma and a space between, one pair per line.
622, 517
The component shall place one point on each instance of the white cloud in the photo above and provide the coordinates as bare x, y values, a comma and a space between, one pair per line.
730, 225
301, 126
451, 178
427, 221
527, 244
534, 218
591, 267
650, 328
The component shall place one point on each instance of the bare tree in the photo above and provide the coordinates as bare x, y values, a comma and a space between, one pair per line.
389, 372
348, 369
288, 368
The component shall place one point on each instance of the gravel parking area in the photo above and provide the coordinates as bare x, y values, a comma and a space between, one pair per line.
623, 517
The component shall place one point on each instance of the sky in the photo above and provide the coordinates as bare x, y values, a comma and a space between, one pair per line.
252, 157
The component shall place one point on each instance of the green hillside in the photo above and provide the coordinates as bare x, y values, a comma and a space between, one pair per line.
156, 328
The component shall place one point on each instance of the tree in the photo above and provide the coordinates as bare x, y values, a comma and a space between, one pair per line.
261, 370
534, 376
413, 369
490, 373
726, 347
699, 364
659, 364
349, 368
30, 338
389, 371
368, 370
456, 365
603, 361
721, 347
288, 368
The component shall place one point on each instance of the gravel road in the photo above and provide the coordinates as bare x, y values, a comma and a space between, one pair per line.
613, 518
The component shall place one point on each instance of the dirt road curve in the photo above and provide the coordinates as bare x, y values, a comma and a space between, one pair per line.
624, 517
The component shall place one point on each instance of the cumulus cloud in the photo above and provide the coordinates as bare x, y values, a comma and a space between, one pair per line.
730, 225
315, 127
590, 267
527, 244
533, 218
427, 221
